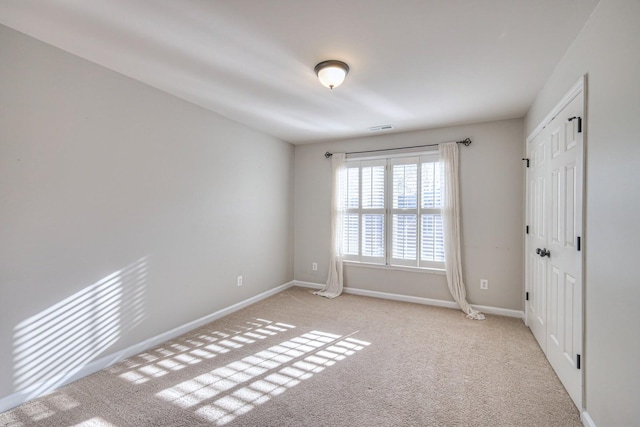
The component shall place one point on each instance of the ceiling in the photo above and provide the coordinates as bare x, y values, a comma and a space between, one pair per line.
415, 64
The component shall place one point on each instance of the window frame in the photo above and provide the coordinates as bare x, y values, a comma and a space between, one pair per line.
387, 261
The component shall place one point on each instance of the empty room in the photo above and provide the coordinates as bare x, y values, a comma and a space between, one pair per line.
319, 213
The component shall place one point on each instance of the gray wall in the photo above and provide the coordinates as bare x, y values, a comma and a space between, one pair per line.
492, 214
607, 50
102, 176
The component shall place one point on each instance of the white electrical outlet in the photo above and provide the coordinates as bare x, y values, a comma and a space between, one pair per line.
314, 266
239, 280
484, 284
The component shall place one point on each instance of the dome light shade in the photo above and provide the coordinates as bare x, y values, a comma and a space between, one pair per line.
331, 73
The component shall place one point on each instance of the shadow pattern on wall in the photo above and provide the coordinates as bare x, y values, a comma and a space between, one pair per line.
53, 345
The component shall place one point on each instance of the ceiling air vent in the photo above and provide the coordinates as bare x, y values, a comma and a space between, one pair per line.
379, 128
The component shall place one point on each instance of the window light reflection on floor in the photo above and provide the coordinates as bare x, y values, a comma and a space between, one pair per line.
244, 384
39, 410
191, 350
95, 422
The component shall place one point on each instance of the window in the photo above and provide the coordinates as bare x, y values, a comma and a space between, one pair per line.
392, 211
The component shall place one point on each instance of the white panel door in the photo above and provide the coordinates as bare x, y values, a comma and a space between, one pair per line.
536, 267
564, 284
553, 253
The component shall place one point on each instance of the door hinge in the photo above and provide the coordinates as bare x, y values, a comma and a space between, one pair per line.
579, 122
526, 296
579, 244
527, 229
578, 361
527, 161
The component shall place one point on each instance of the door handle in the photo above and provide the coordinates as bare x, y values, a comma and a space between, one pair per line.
543, 252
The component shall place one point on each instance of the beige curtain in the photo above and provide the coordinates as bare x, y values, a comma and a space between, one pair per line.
451, 223
334, 285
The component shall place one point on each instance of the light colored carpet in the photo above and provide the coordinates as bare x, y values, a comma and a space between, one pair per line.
300, 360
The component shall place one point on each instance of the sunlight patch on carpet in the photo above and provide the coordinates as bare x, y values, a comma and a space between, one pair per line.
175, 356
240, 386
95, 422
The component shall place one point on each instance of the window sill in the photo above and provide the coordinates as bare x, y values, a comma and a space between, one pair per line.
439, 271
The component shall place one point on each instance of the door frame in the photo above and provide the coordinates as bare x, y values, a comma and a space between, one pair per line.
578, 89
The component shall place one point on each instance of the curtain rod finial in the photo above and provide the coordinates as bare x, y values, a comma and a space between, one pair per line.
466, 142
328, 154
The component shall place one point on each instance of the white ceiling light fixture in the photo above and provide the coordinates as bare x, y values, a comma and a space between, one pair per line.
331, 73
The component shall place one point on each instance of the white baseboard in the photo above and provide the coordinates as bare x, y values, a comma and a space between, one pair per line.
519, 314
308, 284
58, 381
418, 300
586, 419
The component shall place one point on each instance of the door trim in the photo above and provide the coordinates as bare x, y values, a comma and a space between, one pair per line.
575, 90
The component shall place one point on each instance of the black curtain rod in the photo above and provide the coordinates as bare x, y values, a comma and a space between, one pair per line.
466, 142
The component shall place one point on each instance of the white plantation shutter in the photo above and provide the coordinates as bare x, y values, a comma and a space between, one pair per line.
431, 231
431, 183
373, 211
404, 237
373, 236
353, 188
350, 244
432, 244
373, 186
404, 211
405, 184
351, 227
